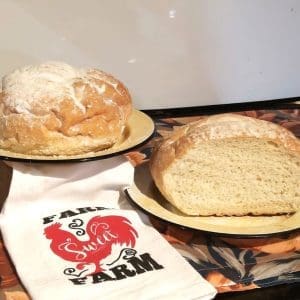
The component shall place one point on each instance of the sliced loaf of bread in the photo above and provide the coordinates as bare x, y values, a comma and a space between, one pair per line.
229, 165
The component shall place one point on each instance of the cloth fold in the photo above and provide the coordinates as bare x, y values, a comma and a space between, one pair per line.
78, 182
72, 235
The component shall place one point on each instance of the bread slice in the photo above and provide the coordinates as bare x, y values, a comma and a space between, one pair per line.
229, 165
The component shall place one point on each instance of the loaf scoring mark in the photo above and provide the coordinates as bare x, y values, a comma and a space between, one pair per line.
33, 85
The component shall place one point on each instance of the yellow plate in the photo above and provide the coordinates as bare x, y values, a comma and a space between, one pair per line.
139, 129
144, 193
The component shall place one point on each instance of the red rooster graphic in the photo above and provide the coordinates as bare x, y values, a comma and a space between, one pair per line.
103, 232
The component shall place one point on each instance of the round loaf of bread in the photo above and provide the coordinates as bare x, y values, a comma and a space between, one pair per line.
229, 165
54, 109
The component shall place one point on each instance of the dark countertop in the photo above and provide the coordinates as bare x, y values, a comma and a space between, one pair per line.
279, 292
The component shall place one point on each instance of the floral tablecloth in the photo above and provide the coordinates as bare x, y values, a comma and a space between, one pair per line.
230, 264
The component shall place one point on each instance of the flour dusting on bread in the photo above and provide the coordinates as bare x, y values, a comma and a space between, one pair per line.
56, 109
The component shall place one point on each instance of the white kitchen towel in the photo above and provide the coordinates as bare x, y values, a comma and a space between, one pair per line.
69, 239
54, 185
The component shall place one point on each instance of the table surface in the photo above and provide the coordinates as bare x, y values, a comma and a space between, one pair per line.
281, 291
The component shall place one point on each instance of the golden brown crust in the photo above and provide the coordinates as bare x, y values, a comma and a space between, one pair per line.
165, 152
214, 127
89, 114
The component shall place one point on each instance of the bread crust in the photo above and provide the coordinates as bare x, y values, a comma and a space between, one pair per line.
216, 127
61, 110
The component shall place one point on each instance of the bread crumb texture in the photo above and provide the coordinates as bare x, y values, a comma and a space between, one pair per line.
229, 165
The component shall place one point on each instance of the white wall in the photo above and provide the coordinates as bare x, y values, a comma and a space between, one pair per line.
170, 53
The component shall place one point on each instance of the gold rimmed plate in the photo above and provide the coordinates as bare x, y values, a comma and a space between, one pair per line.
139, 129
146, 196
